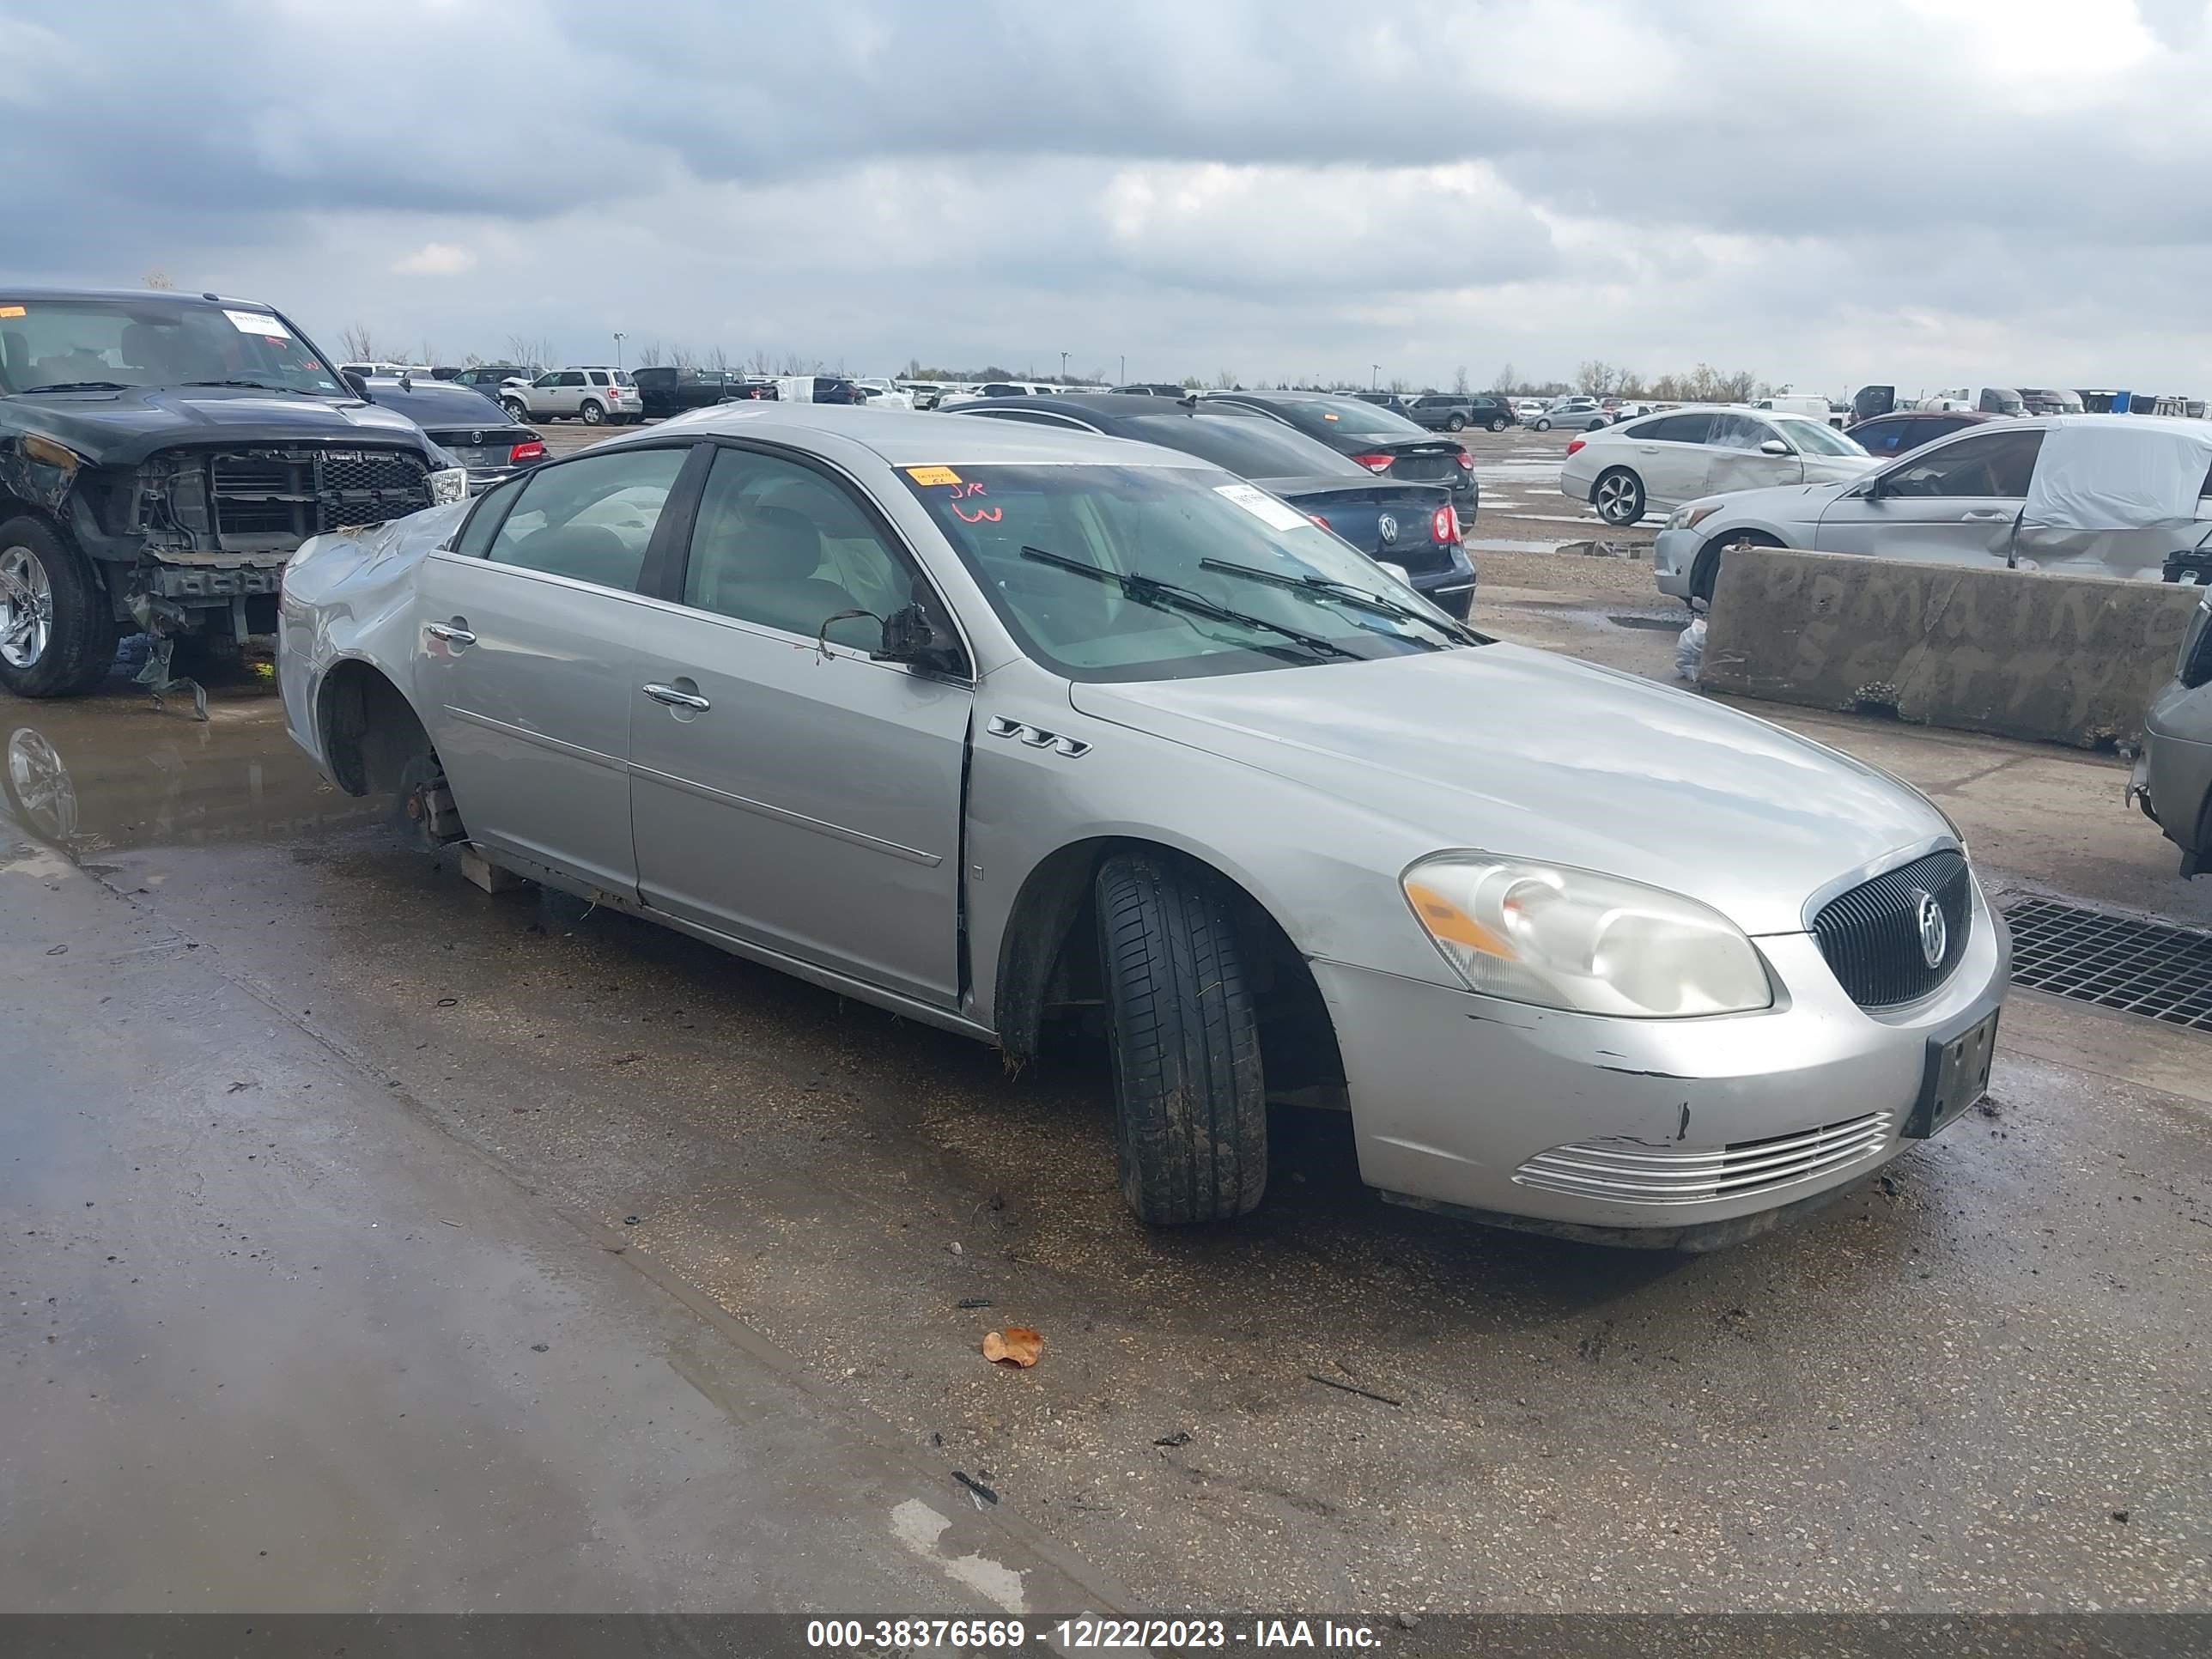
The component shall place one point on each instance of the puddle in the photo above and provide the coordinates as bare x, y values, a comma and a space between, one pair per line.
110, 774
1507, 544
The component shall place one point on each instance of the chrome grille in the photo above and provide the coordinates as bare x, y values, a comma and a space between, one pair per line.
1640, 1172
1871, 935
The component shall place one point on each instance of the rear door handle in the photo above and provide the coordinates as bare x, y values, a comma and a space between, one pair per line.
450, 631
676, 699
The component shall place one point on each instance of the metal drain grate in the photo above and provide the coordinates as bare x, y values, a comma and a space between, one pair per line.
2115, 962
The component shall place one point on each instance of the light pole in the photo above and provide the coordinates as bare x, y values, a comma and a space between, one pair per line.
618, 340
1375, 385
1125, 368
1063, 368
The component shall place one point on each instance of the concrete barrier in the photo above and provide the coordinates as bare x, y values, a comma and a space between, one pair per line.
2071, 659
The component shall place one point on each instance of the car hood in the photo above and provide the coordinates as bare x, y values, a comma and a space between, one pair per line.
1516, 752
122, 428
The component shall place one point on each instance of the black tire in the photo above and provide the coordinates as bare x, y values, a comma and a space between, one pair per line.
1455, 423
517, 411
1189, 1097
1618, 495
1706, 573
1498, 423
1598, 424
1539, 424
79, 646
592, 413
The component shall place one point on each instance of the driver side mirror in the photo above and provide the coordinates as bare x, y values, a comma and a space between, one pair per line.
1774, 447
356, 382
910, 637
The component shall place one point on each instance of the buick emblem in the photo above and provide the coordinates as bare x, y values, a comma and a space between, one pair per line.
1934, 932
1387, 528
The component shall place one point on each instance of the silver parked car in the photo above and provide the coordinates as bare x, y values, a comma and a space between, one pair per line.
1662, 460
985, 723
595, 396
2172, 781
2088, 494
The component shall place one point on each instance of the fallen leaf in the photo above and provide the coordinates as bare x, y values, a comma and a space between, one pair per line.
1017, 1345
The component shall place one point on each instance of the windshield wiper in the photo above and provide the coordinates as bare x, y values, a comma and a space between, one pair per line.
1159, 595
1349, 594
251, 385
80, 385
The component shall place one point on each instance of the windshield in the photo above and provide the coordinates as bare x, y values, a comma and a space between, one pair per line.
1345, 418
124, 343
1174, 549
1250, 448
1818, 437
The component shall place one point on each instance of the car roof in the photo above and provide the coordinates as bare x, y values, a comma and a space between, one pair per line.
904, 438
1106, 405
156, 296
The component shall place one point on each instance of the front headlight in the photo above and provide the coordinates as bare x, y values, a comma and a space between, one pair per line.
1690, 515
449, 484
1576, 940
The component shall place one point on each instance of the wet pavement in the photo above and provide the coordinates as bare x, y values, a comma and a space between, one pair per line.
276, 1342
1977, 1382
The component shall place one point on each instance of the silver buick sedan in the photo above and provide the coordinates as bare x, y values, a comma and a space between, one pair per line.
991, 724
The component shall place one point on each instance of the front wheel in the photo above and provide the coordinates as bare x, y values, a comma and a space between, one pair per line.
1190, 1102
56, 634
516, 410
1706, 573
1498, 423
1619, 497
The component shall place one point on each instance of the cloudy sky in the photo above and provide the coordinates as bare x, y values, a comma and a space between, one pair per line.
1824, 192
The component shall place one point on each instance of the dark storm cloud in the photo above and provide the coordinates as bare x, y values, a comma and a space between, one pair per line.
1594, 167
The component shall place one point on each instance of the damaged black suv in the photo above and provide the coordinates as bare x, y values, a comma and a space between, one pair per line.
160, 457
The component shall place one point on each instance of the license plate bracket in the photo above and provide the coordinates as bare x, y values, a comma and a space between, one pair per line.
1956, 1076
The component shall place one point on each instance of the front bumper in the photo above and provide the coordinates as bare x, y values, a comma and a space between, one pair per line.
1453, 1095
1674, 555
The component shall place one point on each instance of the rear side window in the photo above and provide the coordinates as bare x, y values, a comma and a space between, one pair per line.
598, 377
1675, 429
589, 519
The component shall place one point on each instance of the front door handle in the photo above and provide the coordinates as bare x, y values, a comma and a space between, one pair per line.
453, 632
1984, 515
676, 699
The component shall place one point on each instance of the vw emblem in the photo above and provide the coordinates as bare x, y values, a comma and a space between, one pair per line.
1934, 932
1387, 528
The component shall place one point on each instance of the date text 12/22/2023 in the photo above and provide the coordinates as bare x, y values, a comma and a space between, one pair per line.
1087, 1634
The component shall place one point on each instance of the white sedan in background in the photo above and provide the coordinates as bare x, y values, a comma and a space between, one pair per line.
1662, 460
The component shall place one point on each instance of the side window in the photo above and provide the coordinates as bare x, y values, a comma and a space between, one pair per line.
1885, 438
598, 376
1738, 432
589, 519
1989, 464
1677, 428
546, 380
484, 518
779, 544
574, 377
